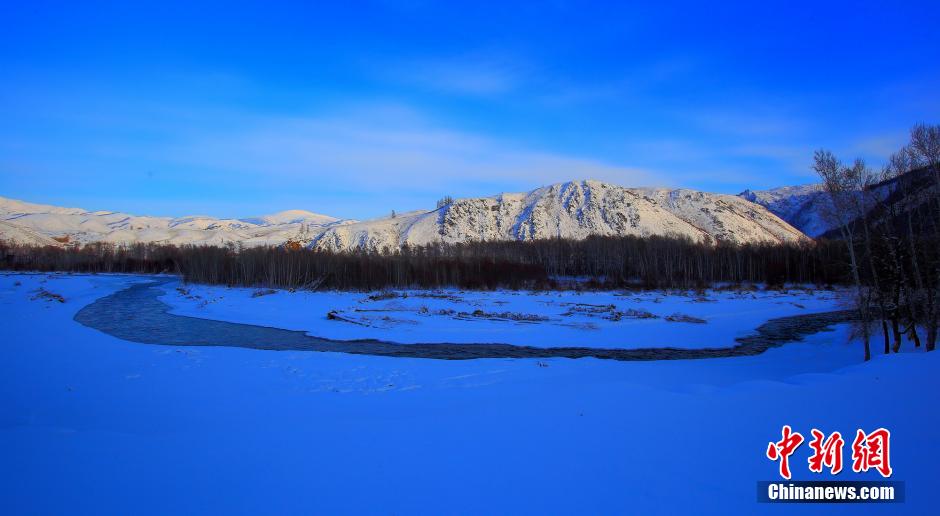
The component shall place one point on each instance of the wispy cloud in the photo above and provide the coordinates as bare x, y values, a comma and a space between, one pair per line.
467, 74
755, 122
385, 149
641, 83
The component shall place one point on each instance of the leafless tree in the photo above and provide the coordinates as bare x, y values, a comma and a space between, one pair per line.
596, 262
843, 186
924, 151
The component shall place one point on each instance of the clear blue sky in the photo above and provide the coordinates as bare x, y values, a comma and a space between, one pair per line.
234, 109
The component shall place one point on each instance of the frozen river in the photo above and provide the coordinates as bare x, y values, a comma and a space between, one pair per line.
137, 314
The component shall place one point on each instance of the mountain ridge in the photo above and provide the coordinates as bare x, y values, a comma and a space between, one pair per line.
572, 209
84, 226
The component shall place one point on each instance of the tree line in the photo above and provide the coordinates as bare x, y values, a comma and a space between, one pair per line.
595, 262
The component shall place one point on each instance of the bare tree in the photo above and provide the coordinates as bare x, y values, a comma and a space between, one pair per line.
842, 183
924, 151
905, 241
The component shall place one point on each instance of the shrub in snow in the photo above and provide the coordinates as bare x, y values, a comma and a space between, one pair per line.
52, 296
385, 294
685, 318
512, 316
639, 314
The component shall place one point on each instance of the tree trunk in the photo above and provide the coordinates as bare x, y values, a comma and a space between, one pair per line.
896, 330
931, 336
884, 331
867, 341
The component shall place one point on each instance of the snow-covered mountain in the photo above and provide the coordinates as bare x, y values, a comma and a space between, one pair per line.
572, 210
575, 209
12, 233
78, 225
291, 217
802, 206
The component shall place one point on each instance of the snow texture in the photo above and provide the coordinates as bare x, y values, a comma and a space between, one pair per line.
14, 233
624, 320
90, 424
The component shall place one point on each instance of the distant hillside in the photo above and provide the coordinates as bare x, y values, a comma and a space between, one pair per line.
84, 226
802, 206
805, 207
914, 192
574, 210
21, 235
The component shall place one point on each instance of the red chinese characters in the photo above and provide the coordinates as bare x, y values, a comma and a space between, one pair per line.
782, 449
869, 451
872, 451
826, 452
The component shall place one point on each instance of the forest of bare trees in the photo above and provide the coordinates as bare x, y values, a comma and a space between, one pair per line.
889, 224
597, 262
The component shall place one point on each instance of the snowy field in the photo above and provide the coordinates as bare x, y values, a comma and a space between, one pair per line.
681, 319
90, 424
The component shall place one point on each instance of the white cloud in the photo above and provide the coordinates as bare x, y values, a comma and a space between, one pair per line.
387, 148
758, 121
478, 74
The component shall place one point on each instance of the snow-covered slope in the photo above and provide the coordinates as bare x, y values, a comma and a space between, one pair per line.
726, 217
574, 209
802, 206
14, 206
291, 217
20, 235
105, 226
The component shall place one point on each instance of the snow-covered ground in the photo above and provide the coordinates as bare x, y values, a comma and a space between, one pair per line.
539, 319
93, 424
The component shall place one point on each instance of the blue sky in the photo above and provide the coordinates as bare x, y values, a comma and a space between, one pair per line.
237, 109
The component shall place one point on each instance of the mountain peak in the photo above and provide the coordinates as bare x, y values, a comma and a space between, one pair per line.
571, 209
291, 217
